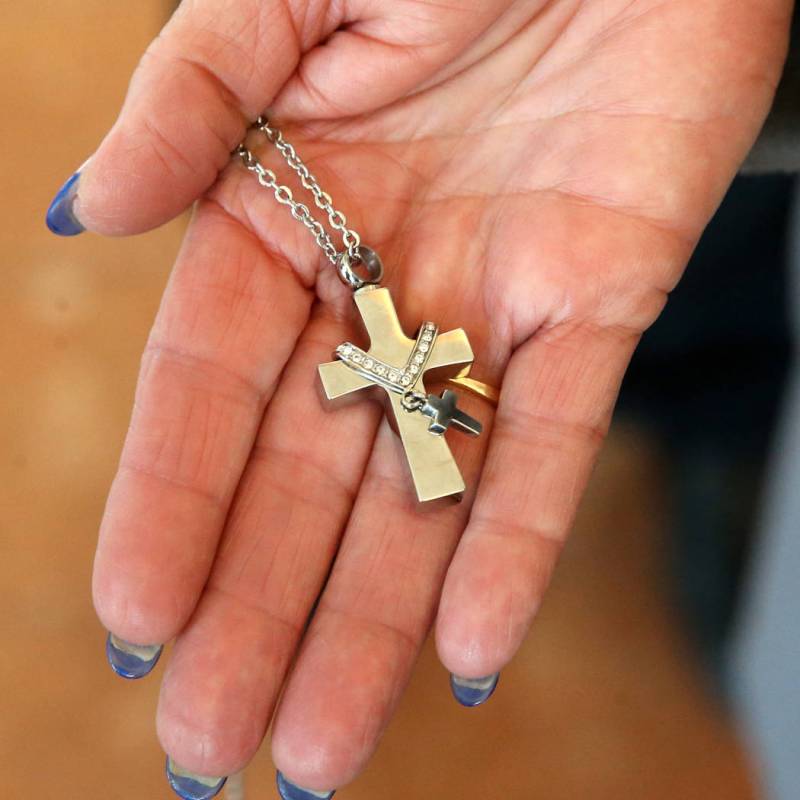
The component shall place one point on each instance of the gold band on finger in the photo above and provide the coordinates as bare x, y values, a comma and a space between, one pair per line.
478, 388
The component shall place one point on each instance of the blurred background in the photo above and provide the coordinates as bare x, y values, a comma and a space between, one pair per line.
662, 664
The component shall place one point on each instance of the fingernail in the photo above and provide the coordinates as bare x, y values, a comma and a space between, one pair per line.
291, 791
472, 692
61, 217
190, 786
131, 660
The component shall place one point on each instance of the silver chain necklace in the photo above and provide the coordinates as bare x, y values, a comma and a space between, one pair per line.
353, 253
394, 362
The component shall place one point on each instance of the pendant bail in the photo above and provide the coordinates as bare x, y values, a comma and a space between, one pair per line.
371, 262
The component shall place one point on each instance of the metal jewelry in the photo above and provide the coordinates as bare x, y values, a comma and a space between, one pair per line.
393, 362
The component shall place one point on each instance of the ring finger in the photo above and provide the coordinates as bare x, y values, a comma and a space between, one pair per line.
371, 620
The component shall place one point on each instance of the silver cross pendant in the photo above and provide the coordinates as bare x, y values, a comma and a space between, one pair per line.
397, 364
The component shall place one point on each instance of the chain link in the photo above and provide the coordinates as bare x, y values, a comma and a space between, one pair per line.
300, 211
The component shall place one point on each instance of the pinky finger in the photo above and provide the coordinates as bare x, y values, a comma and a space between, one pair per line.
558, 396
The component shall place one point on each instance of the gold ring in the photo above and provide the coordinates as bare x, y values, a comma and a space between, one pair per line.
477, 387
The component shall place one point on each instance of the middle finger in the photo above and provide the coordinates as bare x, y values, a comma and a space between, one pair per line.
293, 501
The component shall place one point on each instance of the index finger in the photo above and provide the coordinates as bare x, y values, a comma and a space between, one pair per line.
227, 324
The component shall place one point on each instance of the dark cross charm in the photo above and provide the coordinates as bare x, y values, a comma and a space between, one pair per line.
444, 412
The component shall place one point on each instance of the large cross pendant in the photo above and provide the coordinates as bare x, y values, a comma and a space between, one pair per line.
397, 364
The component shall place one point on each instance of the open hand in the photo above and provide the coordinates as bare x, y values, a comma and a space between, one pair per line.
535, 172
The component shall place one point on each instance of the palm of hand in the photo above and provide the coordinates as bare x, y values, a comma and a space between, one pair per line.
540, 182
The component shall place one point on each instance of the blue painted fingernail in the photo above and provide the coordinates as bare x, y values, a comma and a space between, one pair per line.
472, 692
290, 791
190, 786
131, 660
61, 217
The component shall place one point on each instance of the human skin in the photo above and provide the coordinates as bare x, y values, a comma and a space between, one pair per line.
536, 172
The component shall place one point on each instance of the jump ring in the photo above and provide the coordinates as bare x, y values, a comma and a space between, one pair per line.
372, 264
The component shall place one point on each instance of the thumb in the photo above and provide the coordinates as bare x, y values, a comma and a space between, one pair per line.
216, 65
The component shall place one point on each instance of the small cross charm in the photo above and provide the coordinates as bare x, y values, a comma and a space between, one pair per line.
444, 411
397, 364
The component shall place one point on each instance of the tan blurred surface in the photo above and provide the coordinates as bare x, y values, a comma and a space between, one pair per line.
603, 702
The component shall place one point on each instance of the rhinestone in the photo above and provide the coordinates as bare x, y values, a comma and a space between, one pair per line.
380, 369
405, 380
427, 336
345, 349
424, 347
419, 358
358, 358
368, 363
393, 375
414, 369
